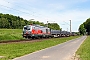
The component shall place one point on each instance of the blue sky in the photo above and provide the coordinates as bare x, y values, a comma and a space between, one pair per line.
58, 11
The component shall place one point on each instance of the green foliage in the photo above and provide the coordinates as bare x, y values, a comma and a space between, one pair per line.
10, 34
87, 25
10, 21
54, 26
82, 30
36, 22
16, 22
4, 23
12, 50
84, 50
77, 33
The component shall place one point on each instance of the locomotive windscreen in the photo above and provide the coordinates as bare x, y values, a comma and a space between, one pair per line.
26, 27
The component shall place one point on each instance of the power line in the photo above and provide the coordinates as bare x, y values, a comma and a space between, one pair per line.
66, 23
15, 9
26, 12
30, 10
22, 7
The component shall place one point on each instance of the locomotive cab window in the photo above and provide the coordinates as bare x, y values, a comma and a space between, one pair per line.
27, 28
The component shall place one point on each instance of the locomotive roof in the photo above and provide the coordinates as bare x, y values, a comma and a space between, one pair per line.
37, 26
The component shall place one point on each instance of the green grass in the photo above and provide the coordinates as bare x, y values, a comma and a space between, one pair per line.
84, 50
10, 34
13, 50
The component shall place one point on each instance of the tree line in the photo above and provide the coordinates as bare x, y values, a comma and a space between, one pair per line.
85, 27
9, 21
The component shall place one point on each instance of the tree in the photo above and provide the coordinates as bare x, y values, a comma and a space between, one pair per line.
16, 22
54, 26
82, 29
87, 25
3, 23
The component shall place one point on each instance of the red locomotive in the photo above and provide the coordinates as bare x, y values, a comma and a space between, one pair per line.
36, 31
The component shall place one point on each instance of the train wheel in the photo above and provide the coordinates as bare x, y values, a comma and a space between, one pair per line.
33, 37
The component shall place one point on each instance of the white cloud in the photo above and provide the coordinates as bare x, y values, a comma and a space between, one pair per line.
74, 15
52, 11
56, 6
5, 4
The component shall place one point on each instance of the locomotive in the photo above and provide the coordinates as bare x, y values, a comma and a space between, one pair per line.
37, 31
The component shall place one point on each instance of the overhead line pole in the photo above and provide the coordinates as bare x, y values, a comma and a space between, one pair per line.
47, 23
70, 28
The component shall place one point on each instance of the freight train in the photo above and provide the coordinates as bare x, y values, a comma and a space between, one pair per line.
37, 31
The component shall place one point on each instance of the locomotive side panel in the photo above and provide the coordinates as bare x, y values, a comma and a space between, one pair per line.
36, 31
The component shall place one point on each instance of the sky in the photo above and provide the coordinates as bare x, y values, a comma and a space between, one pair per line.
53, 11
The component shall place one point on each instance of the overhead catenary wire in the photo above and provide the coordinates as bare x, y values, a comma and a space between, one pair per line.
19, 11
24, 8
15, 9
47, 18
27, 4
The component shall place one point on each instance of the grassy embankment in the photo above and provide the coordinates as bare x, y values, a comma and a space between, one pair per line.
10, 34
12, 50
84, 50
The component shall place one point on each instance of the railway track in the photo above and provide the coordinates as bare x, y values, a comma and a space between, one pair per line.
24, 40
28, 40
